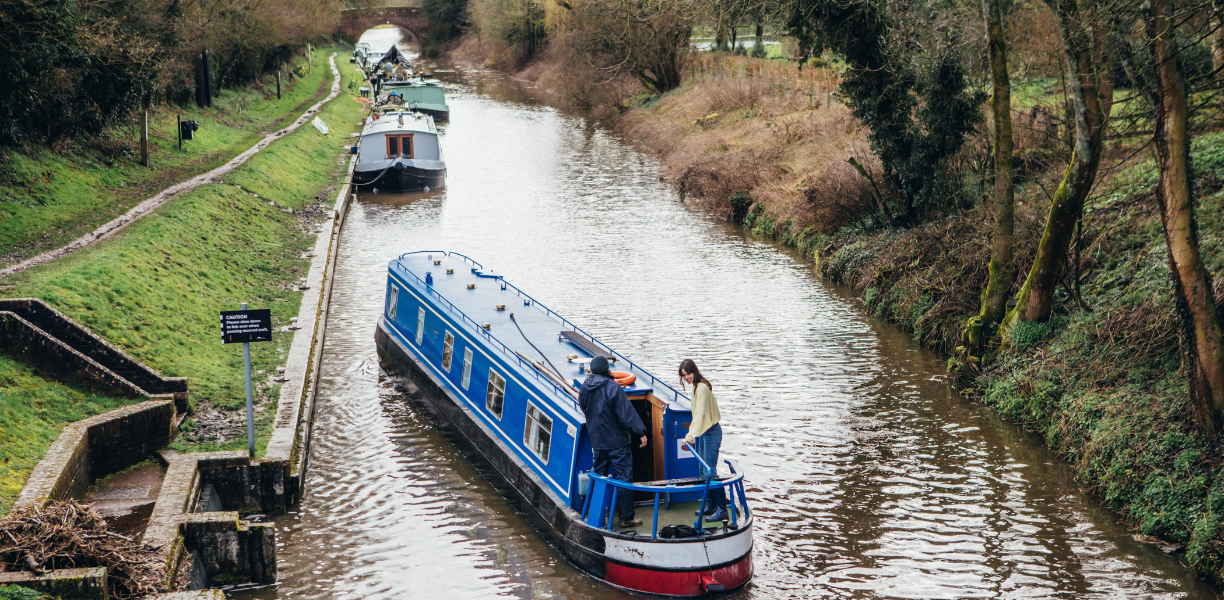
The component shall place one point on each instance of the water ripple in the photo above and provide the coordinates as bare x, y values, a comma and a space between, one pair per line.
867, 477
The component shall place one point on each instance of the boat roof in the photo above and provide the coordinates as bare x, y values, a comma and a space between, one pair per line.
543, 331
394, 55
417, 82
389, 122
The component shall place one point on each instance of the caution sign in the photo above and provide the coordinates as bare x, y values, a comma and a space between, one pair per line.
243, 326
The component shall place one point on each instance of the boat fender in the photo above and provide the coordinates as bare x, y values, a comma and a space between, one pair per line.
623, 379
584, 483
710, 585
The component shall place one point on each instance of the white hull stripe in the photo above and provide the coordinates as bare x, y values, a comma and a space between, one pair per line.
692, 555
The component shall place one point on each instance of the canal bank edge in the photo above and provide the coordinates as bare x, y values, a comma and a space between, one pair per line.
290, 442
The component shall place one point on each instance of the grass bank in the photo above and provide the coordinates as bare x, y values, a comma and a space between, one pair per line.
1102, 382
33, 411
51, 196
155, 289
762, 144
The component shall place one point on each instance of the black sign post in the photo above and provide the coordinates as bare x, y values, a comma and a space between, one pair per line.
243, 327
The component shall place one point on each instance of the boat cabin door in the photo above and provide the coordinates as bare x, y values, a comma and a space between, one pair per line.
648, 461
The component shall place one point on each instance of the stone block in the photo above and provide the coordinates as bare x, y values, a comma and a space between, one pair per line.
231, 550
196, 595
87, 583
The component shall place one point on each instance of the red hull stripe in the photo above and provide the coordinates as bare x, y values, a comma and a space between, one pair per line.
679, 583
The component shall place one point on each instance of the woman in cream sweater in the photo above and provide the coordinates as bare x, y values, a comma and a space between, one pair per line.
707, 433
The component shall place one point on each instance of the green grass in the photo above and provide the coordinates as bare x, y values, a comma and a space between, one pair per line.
50, 197
16, 592
33, 411
155, 289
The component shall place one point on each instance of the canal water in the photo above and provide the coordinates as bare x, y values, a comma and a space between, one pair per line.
867, 477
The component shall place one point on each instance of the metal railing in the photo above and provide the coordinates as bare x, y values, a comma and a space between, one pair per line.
662, 492
655, 382
482, 331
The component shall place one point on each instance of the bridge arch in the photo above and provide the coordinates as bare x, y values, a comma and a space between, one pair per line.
355, 21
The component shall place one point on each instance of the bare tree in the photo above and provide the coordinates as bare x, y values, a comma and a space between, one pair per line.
1035, 300
1001, 273
649, 39
1204, 344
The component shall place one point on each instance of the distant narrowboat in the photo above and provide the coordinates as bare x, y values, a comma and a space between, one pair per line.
499, 373
420, 95
399, 152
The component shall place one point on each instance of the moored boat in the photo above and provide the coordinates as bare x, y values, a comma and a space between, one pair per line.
399, 152
421, 95
500, 374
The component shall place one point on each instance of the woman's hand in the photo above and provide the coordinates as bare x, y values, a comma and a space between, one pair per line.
688, 439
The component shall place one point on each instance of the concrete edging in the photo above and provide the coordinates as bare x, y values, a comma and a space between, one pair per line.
229, 549
84, 583
290, 442
98, 446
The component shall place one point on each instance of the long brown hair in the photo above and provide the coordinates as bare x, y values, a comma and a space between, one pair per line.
688, 366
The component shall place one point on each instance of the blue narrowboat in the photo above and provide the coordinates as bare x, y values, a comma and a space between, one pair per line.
499, 373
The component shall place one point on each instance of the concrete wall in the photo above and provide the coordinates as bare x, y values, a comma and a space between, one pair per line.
40, 335
98, 446
230, 550
87, 583
290, 442
27, 343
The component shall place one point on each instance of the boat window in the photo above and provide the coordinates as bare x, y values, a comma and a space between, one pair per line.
399, 145
420, 325
394, 302
448, 350
497, 393
537, 432
467, 367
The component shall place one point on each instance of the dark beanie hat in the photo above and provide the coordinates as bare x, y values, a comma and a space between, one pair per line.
599, 365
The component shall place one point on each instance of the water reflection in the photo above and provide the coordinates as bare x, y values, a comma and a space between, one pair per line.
868, 478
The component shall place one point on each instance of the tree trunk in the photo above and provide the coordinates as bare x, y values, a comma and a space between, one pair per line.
994, 297
1203, 343
1217, 49
1035, 300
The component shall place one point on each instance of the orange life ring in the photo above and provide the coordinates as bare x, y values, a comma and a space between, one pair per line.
623, 379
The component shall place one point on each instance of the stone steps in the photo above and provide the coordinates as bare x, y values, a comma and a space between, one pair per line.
36, 333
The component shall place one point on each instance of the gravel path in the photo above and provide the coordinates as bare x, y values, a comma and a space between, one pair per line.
147, 206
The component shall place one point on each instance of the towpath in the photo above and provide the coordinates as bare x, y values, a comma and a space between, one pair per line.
147, 206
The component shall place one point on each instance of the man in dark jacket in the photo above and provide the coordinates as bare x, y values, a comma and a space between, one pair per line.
612, 425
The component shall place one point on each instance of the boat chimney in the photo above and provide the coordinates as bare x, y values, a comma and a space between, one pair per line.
428, 278
401, 119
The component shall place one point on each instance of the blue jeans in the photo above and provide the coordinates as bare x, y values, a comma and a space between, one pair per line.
620, 462
707, 448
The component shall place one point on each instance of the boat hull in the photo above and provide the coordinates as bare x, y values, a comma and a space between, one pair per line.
407, 179
439, 116
668, 567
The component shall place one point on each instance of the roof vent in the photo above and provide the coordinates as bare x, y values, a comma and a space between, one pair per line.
450, 271
486, 326
471, 286
501, 307
437, 262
